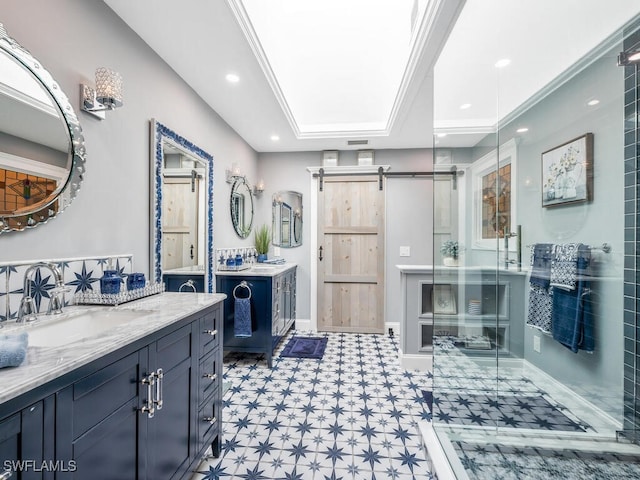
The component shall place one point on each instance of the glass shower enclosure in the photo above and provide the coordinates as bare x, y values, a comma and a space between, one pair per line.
534, 329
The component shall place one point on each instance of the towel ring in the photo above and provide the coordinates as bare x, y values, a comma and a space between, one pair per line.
242, 284
189, 284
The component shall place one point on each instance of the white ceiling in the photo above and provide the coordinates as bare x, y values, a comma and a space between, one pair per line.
203, 41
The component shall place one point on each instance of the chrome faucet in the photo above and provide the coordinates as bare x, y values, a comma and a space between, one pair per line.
28, 311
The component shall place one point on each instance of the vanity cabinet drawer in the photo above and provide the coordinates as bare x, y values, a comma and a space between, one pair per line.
209, 332
210, 376
208, 422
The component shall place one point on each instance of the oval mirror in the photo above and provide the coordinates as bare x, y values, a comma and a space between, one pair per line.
182, 206
42, 153
241, 207
287, 219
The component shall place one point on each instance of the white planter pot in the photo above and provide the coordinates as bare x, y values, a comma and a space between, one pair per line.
450, 262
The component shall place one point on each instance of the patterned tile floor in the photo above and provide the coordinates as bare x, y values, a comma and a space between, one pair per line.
352, 415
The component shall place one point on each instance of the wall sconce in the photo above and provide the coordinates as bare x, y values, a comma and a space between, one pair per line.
628, 58
258, 189
232, 173
106, 96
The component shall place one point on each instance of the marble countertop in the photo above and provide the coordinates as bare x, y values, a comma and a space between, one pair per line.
49, 359
259, 270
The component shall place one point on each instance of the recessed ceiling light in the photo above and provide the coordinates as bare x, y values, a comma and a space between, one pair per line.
464, 106
502, 63
593, 102
232, 78
275, 138
522, 130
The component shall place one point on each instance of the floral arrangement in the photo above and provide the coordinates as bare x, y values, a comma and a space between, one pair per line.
557, 172
449, 249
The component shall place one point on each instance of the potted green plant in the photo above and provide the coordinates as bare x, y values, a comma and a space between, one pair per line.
262, 239
449, 251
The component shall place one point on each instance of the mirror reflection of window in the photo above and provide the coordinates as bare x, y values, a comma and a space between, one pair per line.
496, 203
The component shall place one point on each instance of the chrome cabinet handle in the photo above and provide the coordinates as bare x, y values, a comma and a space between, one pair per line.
159, 389
210, 376
213, 333
149, 381
210, 420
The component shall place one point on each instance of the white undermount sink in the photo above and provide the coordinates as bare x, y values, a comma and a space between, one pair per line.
55, 331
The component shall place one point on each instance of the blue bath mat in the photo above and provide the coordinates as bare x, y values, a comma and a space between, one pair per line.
305, 347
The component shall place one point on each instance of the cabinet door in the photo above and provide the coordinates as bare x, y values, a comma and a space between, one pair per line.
171, 432
10, 430
26, 441
97, 421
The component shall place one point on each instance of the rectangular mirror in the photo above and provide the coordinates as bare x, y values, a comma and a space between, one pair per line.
181, 205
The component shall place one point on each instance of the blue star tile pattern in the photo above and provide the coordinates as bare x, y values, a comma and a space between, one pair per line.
351, 415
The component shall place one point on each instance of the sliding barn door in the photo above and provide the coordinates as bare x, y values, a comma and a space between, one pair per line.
351, 255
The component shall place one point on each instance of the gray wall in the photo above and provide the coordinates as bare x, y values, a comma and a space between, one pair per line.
560, 117
408, 214
71, 38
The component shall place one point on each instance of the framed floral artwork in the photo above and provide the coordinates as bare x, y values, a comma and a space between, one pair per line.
567, 172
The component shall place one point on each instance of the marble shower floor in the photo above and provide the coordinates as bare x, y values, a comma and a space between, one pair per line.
352, 415
481, 452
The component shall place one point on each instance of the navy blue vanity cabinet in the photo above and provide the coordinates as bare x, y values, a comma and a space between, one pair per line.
173, 282
28, 435
273, 298
149, 414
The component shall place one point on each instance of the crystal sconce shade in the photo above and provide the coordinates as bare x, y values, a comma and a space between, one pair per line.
107, 95
108, 88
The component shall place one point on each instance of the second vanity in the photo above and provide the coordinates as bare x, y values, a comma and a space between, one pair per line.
273, 306
132, 391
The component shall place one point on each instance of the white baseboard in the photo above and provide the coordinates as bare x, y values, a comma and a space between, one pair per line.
304, 324
423, 363
395, 326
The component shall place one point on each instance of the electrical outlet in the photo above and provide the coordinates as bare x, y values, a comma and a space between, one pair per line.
405, 251
536, 343
276, 251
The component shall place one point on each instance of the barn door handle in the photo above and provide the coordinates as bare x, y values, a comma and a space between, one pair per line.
320, 257
191, 252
